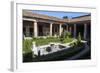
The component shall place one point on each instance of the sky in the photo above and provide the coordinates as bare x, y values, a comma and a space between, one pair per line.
60, 14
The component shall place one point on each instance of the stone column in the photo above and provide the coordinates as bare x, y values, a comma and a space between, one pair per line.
70, 29
60, 30
85, 30
74, 30
67, 27
51, 29
35, 29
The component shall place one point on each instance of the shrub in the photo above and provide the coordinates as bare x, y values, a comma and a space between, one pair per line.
42, 41
27, 46
28, 54
67, 34
73, 44
65, 37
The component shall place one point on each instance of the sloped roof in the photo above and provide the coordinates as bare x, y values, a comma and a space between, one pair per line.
42, 16
81, 18
52, 18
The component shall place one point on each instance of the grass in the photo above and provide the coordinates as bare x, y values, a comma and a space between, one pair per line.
44, 41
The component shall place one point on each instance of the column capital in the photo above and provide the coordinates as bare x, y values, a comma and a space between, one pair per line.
35, 21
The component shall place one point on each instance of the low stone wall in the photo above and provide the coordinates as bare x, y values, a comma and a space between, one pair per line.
41, 50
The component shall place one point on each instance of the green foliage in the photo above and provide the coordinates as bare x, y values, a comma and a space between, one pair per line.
44, 41
27, 46
28, 54
74, 44
78, 42
65, 37
65, 17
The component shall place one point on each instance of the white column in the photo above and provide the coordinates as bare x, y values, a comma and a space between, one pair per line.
85, 30
51, 29
35, 29
74, 30
60, 30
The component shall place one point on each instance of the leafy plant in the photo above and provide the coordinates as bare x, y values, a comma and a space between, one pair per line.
65, 37
28, 54
27, 46
42, 41
67, 34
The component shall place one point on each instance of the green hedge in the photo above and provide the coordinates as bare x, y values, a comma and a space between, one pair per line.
44, 41
66, 37
27, 46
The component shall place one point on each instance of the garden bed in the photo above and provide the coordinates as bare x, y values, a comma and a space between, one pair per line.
45, 41
29, 55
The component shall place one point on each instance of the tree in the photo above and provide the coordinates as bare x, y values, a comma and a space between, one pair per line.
65, 36
65, 17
